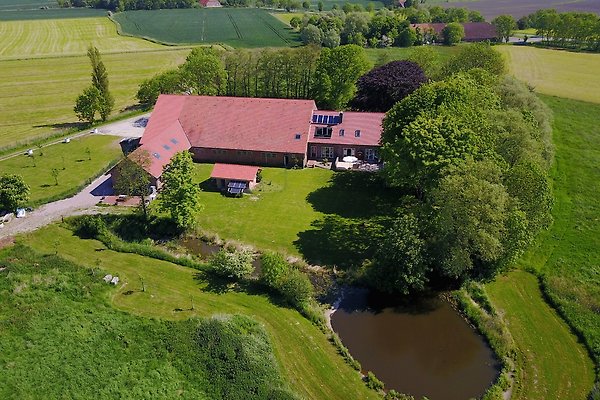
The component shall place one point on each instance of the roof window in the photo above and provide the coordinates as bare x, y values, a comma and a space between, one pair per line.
298, 136
357, 133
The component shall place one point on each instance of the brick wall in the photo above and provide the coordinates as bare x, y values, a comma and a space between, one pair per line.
260, 158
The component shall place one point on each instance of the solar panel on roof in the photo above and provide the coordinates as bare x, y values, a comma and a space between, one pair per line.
314, 118
234, 190
320, 119
330, 119
237, 185
337, 119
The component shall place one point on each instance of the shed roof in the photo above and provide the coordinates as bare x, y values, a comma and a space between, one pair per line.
234, 172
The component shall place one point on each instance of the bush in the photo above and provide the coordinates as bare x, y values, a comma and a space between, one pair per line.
232, 264
296, 289
90, 226
372, 382
274, 267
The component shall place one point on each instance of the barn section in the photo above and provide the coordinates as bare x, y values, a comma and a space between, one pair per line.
474, 31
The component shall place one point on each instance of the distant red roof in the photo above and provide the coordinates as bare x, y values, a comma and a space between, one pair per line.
474, 31
369, 125
234, 172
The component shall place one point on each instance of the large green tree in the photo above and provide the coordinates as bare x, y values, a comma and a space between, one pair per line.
453, 33
100, 81
88, 104
476, 55
337, 71
505, 25
399, 265
203, 73
168, 82
14, 192
180, 194
132, 179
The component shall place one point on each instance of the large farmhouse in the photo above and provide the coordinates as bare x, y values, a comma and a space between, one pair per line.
255, 131
474, 31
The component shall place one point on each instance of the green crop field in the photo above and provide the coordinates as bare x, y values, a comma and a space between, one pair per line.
556, 72
37, 95
309, 363
70, 159
243, 27
61, 37
53, 13
26, 4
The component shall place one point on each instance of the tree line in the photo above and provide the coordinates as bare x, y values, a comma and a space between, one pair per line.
578, 30
384, 28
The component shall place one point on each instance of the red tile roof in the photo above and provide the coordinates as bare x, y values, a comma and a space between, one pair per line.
474, 31
369, 125
234, 172
240, 123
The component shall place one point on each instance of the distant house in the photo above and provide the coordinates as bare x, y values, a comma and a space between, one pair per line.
254, 132
210, 3
474, 31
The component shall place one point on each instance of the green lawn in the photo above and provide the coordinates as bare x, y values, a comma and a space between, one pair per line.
78, 168
37, 95
309, 363
60, 37
555, 365
237, 27
556, 72
401, 53
567, 256
282, 197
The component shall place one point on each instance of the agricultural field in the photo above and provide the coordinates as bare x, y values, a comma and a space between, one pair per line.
518, 8
37, 95
72, 160
309, 364
237, 27
8, 5
64, 37
556, 72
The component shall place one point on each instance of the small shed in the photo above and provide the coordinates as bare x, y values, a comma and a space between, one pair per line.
235, 179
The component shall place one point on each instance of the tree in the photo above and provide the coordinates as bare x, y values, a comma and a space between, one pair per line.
14, 192
203, 73
179, 195
296, 289
355, 25
505, 25
88, 104
331, 39
168, 82
399, 264
306, 5
320, 6
311, 34
295, 22
453, 33
428, 59
470, 223
130, 177
476, 55
232, 264
337, 72
55, 172
380, 88
273, 269
100, 82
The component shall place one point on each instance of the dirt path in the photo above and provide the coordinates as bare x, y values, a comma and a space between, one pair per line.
82, 203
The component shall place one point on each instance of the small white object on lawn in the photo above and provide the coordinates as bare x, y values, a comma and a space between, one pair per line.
115, 280
107, 278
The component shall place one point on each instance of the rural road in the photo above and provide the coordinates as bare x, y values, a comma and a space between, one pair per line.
84, 201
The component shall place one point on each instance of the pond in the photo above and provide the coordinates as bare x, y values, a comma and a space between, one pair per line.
205, 250
424, 349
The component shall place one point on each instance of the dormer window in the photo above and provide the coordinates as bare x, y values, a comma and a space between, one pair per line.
341, 132
324, 132
357, 133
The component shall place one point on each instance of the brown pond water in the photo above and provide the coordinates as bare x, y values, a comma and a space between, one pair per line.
426, 349
205, 250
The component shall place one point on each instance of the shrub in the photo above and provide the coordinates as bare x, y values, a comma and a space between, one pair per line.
372, 382
232, 264
90, 226
274, 267
296, 289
